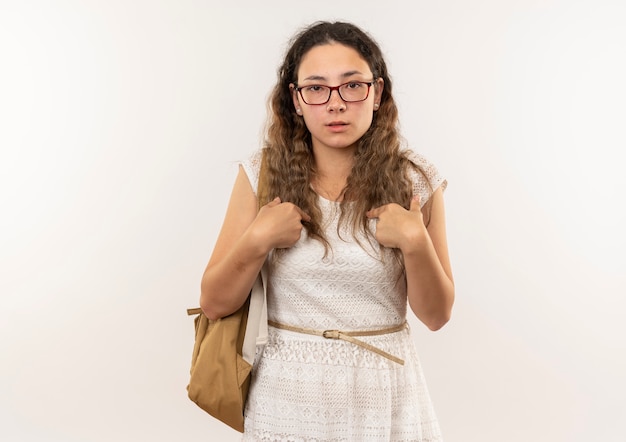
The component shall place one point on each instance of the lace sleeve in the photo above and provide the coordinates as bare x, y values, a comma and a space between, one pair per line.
252, 167
420, 182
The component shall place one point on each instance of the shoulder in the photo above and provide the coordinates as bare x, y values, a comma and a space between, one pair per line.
424, 175
252, 168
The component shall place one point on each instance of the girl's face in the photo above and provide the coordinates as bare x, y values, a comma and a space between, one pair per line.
336, 124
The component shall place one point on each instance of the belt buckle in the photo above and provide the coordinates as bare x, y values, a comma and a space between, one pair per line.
331, 334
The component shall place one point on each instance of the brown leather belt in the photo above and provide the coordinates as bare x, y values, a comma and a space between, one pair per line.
348, 336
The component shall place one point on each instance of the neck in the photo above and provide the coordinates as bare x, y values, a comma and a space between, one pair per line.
334, 164
333, 168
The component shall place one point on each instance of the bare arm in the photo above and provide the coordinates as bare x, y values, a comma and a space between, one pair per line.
246, 238
430, 286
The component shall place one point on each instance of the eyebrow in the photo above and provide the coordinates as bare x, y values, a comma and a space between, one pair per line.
322, 78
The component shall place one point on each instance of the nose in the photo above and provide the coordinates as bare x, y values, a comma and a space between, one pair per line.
335, 102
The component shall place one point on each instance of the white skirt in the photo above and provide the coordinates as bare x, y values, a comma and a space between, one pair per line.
307, 388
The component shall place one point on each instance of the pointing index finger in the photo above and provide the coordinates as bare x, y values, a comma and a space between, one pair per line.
304, 216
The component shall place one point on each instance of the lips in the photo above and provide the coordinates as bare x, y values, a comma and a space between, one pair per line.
337, 123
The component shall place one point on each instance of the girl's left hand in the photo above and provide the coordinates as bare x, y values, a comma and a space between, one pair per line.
397, 227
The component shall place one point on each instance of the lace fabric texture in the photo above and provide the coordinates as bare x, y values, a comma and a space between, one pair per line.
307, 388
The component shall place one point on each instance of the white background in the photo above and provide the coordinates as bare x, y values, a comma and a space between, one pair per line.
121, 124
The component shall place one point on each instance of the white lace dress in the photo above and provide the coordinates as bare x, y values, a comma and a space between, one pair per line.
307, 388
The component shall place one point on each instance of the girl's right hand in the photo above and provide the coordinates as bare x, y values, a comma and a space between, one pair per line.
278, 225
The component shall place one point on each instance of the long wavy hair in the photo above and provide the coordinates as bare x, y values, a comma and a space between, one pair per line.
380, 171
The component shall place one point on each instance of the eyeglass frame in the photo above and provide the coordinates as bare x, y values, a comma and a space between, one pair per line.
335, 88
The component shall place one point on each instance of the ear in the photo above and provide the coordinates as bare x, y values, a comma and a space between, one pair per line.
294, 97
379, 85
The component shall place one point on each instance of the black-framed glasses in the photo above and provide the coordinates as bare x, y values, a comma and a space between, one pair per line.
349, 92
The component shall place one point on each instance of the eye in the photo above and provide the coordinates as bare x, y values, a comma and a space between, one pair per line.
354, 85
314, 88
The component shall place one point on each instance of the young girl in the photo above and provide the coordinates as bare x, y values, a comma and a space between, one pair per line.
352, 228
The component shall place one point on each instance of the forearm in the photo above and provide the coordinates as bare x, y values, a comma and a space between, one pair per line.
430, 289
226, 283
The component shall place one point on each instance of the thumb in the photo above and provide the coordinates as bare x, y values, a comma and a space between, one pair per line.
276, 201
415, 203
